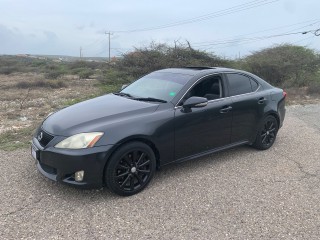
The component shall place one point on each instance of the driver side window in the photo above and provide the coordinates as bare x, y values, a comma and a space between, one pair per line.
209, 88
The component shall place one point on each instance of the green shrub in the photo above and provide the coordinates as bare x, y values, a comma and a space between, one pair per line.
114, 76
158, 56
85, 64
8, 70
83, 73
284, 65
54, 74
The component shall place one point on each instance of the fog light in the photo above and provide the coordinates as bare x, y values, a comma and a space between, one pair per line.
78, 176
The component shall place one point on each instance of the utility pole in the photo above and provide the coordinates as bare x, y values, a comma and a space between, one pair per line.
109, 34
80, 52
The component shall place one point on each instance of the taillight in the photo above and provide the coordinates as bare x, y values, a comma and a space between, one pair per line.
284, 94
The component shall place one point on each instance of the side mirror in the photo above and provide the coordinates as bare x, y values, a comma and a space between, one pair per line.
124, 86
194, 102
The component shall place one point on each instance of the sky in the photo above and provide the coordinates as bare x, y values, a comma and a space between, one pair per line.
230, 29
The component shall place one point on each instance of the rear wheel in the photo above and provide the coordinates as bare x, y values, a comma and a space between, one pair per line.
130, 169
267, 133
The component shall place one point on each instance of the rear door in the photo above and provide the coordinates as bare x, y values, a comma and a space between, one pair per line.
247, 106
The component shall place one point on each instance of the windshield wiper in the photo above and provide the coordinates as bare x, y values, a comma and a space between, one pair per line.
150, 99
123, 94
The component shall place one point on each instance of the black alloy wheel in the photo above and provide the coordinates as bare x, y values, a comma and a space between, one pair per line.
130, 169
267, 133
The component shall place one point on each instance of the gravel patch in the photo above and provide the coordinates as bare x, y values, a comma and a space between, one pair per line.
237, 194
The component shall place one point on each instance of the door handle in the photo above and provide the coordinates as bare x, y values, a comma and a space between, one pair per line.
261, 100
225, 109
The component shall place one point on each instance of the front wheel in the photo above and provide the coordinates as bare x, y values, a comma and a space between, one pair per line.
130, 168
267, 133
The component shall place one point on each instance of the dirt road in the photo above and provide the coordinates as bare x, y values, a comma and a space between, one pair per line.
238, 194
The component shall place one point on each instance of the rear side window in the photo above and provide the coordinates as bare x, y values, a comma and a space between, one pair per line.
254, 85
240, 84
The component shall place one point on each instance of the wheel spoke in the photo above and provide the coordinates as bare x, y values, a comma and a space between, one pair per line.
272, 130
140, 158
143, 164
267, 140
143, 171
125, 181
131, 182
264, 139
122, 175
271, 125
122, 166
139, 178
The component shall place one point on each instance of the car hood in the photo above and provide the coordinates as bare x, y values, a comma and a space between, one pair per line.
95, 114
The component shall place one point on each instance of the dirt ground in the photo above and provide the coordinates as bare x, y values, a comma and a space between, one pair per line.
24, 107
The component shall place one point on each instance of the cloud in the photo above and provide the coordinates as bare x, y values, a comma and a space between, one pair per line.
9, 39
14, 41
81, 27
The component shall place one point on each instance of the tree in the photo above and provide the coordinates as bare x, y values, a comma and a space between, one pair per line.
158, 56
286, 64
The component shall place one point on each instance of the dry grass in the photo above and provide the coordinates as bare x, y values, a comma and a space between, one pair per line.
24, 102
302, 95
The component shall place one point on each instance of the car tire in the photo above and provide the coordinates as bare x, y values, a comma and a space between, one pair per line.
267, 133
130, 169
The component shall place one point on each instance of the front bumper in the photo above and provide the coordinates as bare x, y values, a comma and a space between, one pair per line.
61, 164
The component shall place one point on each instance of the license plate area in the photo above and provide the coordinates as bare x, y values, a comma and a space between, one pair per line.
35, 152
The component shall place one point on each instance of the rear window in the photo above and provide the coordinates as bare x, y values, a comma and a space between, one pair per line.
254, 85
239, 84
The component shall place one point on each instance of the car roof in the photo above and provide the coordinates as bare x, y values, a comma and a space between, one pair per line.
200, 71
196, 70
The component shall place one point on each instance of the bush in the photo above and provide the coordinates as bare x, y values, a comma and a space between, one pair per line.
314, 88
158, 56
8, 70
85, 64
41, 84
114, 76
54, 74
83, 73
284, 65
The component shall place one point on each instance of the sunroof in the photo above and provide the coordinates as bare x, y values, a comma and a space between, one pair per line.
199, 68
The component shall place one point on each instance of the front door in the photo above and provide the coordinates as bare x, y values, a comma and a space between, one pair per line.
206, 128
203, 129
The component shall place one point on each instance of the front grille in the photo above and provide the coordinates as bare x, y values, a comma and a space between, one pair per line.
43, 137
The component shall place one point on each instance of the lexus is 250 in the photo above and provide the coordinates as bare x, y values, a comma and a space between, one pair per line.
118, 140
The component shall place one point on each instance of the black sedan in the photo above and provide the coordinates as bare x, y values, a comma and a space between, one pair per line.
118, 140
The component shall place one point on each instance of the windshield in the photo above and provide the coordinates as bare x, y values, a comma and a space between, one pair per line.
157, 85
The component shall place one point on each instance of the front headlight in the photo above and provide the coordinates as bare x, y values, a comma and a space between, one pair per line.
81, 140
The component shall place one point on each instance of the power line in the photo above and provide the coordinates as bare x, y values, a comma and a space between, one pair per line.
304, 39
311, 23
223, 42
250, 40
220, 13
